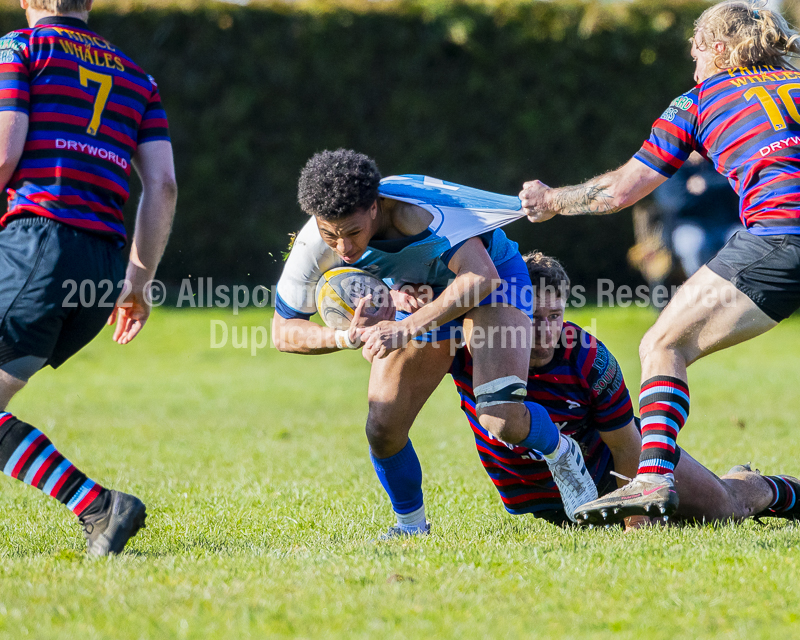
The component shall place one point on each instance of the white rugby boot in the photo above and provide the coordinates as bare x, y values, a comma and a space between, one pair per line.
397, 532
572, 478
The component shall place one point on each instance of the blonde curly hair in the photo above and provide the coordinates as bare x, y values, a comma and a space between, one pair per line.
751, 33
58, 6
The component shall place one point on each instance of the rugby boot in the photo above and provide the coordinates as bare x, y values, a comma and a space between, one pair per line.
648, 494
790, 510
397, 532
108, 531
572, 478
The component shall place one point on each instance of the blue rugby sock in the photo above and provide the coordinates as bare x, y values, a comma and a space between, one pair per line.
544, 435
401, 477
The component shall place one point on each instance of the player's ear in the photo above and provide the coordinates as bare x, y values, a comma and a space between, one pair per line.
373, 210
89, 4
719, 47
23, 4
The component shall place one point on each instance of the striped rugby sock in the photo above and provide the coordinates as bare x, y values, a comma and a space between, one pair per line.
27, 455
664, 407
784, 497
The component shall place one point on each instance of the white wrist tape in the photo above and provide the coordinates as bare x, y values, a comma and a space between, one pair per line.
343, 341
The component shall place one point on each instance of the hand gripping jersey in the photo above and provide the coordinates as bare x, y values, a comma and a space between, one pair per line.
584, 392
746, 122
459, 213
90, 107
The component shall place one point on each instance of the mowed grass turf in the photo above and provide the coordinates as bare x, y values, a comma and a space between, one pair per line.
263, 505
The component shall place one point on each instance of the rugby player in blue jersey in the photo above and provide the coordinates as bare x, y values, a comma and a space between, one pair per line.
577, 379
75, 115
415, 229
743, 117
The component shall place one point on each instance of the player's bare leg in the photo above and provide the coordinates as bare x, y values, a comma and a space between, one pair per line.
399, 386
739, 494
9, 387
499, 339
706, 315
705, 497
784, 493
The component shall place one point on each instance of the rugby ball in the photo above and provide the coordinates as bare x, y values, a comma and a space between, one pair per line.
340, 289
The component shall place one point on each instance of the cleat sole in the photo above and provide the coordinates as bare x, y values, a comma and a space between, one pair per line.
618, 514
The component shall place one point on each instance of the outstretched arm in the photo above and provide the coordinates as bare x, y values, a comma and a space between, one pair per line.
607, 193
296, 335
154, 164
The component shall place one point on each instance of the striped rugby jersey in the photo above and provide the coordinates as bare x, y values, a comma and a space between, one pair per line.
584, 392
90, 107
746, 122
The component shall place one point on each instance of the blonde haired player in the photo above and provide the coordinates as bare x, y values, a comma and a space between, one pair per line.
743, 117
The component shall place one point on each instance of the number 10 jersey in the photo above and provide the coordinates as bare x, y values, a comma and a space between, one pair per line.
746, 122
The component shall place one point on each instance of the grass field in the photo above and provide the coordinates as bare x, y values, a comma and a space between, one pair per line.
263, 504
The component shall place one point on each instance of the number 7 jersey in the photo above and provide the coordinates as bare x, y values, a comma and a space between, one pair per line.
89, 109
746, 122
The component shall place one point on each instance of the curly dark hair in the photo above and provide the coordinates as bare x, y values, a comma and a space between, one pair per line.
547, 273
335, 184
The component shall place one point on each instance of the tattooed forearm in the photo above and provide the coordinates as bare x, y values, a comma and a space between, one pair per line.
587, 198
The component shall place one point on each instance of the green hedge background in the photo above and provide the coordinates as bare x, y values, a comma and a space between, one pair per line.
488, 94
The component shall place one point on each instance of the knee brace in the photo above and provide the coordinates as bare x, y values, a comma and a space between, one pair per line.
510, 389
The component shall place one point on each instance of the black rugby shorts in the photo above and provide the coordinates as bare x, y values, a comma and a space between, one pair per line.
764, 268
42, 313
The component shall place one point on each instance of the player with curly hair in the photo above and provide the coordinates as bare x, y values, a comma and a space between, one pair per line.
742, 116
417, 229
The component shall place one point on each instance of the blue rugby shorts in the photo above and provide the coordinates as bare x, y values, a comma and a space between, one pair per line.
515, 291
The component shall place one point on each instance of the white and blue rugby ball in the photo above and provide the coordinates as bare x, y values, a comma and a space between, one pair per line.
340, 289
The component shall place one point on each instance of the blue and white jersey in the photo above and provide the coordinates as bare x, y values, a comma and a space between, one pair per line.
459, 213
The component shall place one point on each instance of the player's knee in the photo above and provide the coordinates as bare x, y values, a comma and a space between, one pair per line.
657, 341
498, 427
506, 422
383, 435
500, 408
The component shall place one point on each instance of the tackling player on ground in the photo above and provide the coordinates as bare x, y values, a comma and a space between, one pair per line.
743, 117
75, 115
578, 380
415, 229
